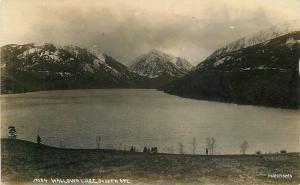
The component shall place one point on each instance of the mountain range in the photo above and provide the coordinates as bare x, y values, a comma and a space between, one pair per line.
260, 69
265, 73
31, 67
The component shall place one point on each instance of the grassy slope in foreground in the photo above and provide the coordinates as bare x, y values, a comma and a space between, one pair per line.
22, 161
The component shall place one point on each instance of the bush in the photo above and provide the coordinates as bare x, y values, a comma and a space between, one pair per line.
283, 151
258, 152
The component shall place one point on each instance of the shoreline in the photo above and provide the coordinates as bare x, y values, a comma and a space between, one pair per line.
24, 161
190, 97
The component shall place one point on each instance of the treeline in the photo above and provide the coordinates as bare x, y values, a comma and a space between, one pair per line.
209, 148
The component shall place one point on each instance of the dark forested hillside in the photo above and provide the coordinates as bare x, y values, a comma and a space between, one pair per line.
263, 74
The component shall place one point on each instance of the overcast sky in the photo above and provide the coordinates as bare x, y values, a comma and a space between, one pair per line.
192, 29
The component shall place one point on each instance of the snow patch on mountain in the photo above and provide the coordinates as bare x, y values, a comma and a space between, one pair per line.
184, 64
97, 52
156, 63
88, 68
54, 56
291, 41
32, 55
219, 62
260, 37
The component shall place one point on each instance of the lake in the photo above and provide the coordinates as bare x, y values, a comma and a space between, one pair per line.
146, 117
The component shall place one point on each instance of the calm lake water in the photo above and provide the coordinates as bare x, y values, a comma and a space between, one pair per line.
139, 117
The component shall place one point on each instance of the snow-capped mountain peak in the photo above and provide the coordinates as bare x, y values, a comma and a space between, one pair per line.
97, 52
183, 63
156, 63
65, 62
259, 37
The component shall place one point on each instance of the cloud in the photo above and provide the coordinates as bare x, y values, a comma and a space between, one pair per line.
126, 29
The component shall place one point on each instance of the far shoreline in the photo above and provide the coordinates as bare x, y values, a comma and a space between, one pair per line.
154, 89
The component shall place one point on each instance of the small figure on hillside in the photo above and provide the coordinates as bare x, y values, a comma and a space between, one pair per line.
38, 140
206, 151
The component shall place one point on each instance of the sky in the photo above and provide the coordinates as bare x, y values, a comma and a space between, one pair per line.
191, 29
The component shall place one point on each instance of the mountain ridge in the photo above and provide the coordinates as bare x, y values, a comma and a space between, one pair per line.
156, 63
31, 67
264, 74
258, 37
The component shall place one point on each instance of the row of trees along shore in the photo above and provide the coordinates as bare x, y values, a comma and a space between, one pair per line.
209, 148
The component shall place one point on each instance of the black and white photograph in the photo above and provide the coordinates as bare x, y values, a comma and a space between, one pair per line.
150, 92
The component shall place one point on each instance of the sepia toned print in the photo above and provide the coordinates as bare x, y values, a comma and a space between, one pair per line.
150, 92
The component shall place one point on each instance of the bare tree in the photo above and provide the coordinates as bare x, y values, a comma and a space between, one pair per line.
211, 144
208, 144
170, 149
62, 144
98, 141
194, 145
180, 147
244, 146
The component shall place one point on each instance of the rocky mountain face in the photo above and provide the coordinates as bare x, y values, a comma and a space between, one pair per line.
259, 37
30, 68
156, 63
265, 72
160, 68
183, 64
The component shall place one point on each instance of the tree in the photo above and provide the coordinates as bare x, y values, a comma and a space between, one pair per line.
244, 146
172, 149
98, 141
154, 150
208, 144
12, 132
211, 145
38, 140
194, 145
62, 144
132, 149
180, 146
283, 151
145, 149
